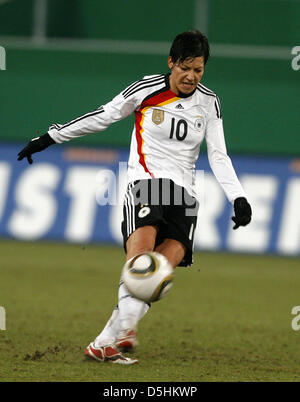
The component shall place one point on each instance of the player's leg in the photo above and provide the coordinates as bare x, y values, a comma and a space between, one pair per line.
174, 239
120, 330
141, 241
132, 310
173, 250
139, 231
108, 335
139, 235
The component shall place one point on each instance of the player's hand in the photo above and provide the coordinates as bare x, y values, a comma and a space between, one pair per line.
243, 212
35, 145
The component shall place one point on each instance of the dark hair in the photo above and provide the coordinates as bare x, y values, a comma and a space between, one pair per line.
189, 44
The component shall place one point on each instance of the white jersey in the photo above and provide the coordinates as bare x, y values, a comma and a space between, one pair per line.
167, 134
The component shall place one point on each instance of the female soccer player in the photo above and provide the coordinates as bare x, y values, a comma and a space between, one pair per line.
174, 113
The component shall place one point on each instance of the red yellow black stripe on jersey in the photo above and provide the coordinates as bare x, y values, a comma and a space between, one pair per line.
161, 97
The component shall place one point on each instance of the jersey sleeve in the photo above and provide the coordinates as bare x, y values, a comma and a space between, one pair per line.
218, 158
97, 120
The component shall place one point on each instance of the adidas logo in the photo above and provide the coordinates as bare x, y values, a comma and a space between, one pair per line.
179, 106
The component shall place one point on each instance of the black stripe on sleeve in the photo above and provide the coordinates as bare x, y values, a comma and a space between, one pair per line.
145, 86
56, 126
208, 92
205, 92
130, 87
217, 110
141, 85
218, 107
95, 112
140, 82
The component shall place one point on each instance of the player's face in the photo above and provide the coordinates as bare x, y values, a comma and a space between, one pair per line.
185, 76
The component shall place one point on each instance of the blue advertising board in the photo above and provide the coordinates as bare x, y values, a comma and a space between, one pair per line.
75, 194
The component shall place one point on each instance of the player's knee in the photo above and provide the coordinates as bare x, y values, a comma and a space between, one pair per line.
141, 241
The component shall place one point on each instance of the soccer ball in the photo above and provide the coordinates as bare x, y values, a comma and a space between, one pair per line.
148, 276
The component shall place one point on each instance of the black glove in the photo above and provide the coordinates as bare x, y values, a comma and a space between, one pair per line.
35, 145
243, 212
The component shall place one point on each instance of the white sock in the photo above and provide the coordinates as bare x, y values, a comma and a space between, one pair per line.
109, 333
131, 310
126, 315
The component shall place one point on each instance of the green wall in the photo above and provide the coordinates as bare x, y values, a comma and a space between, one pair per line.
121, 19
255, 22
118, 19
272, 22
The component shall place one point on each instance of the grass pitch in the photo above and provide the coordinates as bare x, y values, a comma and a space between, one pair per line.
226, 319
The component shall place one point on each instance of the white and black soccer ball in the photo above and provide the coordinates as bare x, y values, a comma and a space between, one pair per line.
148, 276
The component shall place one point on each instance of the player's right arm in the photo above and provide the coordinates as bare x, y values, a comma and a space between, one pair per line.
97, 120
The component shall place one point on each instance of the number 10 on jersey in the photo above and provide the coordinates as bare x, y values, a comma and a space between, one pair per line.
180, 129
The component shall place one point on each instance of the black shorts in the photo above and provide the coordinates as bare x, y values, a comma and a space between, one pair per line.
164, 204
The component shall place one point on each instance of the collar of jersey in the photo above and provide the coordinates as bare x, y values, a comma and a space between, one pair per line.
180, 95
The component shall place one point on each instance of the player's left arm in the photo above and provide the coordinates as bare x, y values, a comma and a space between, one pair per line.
222, 167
